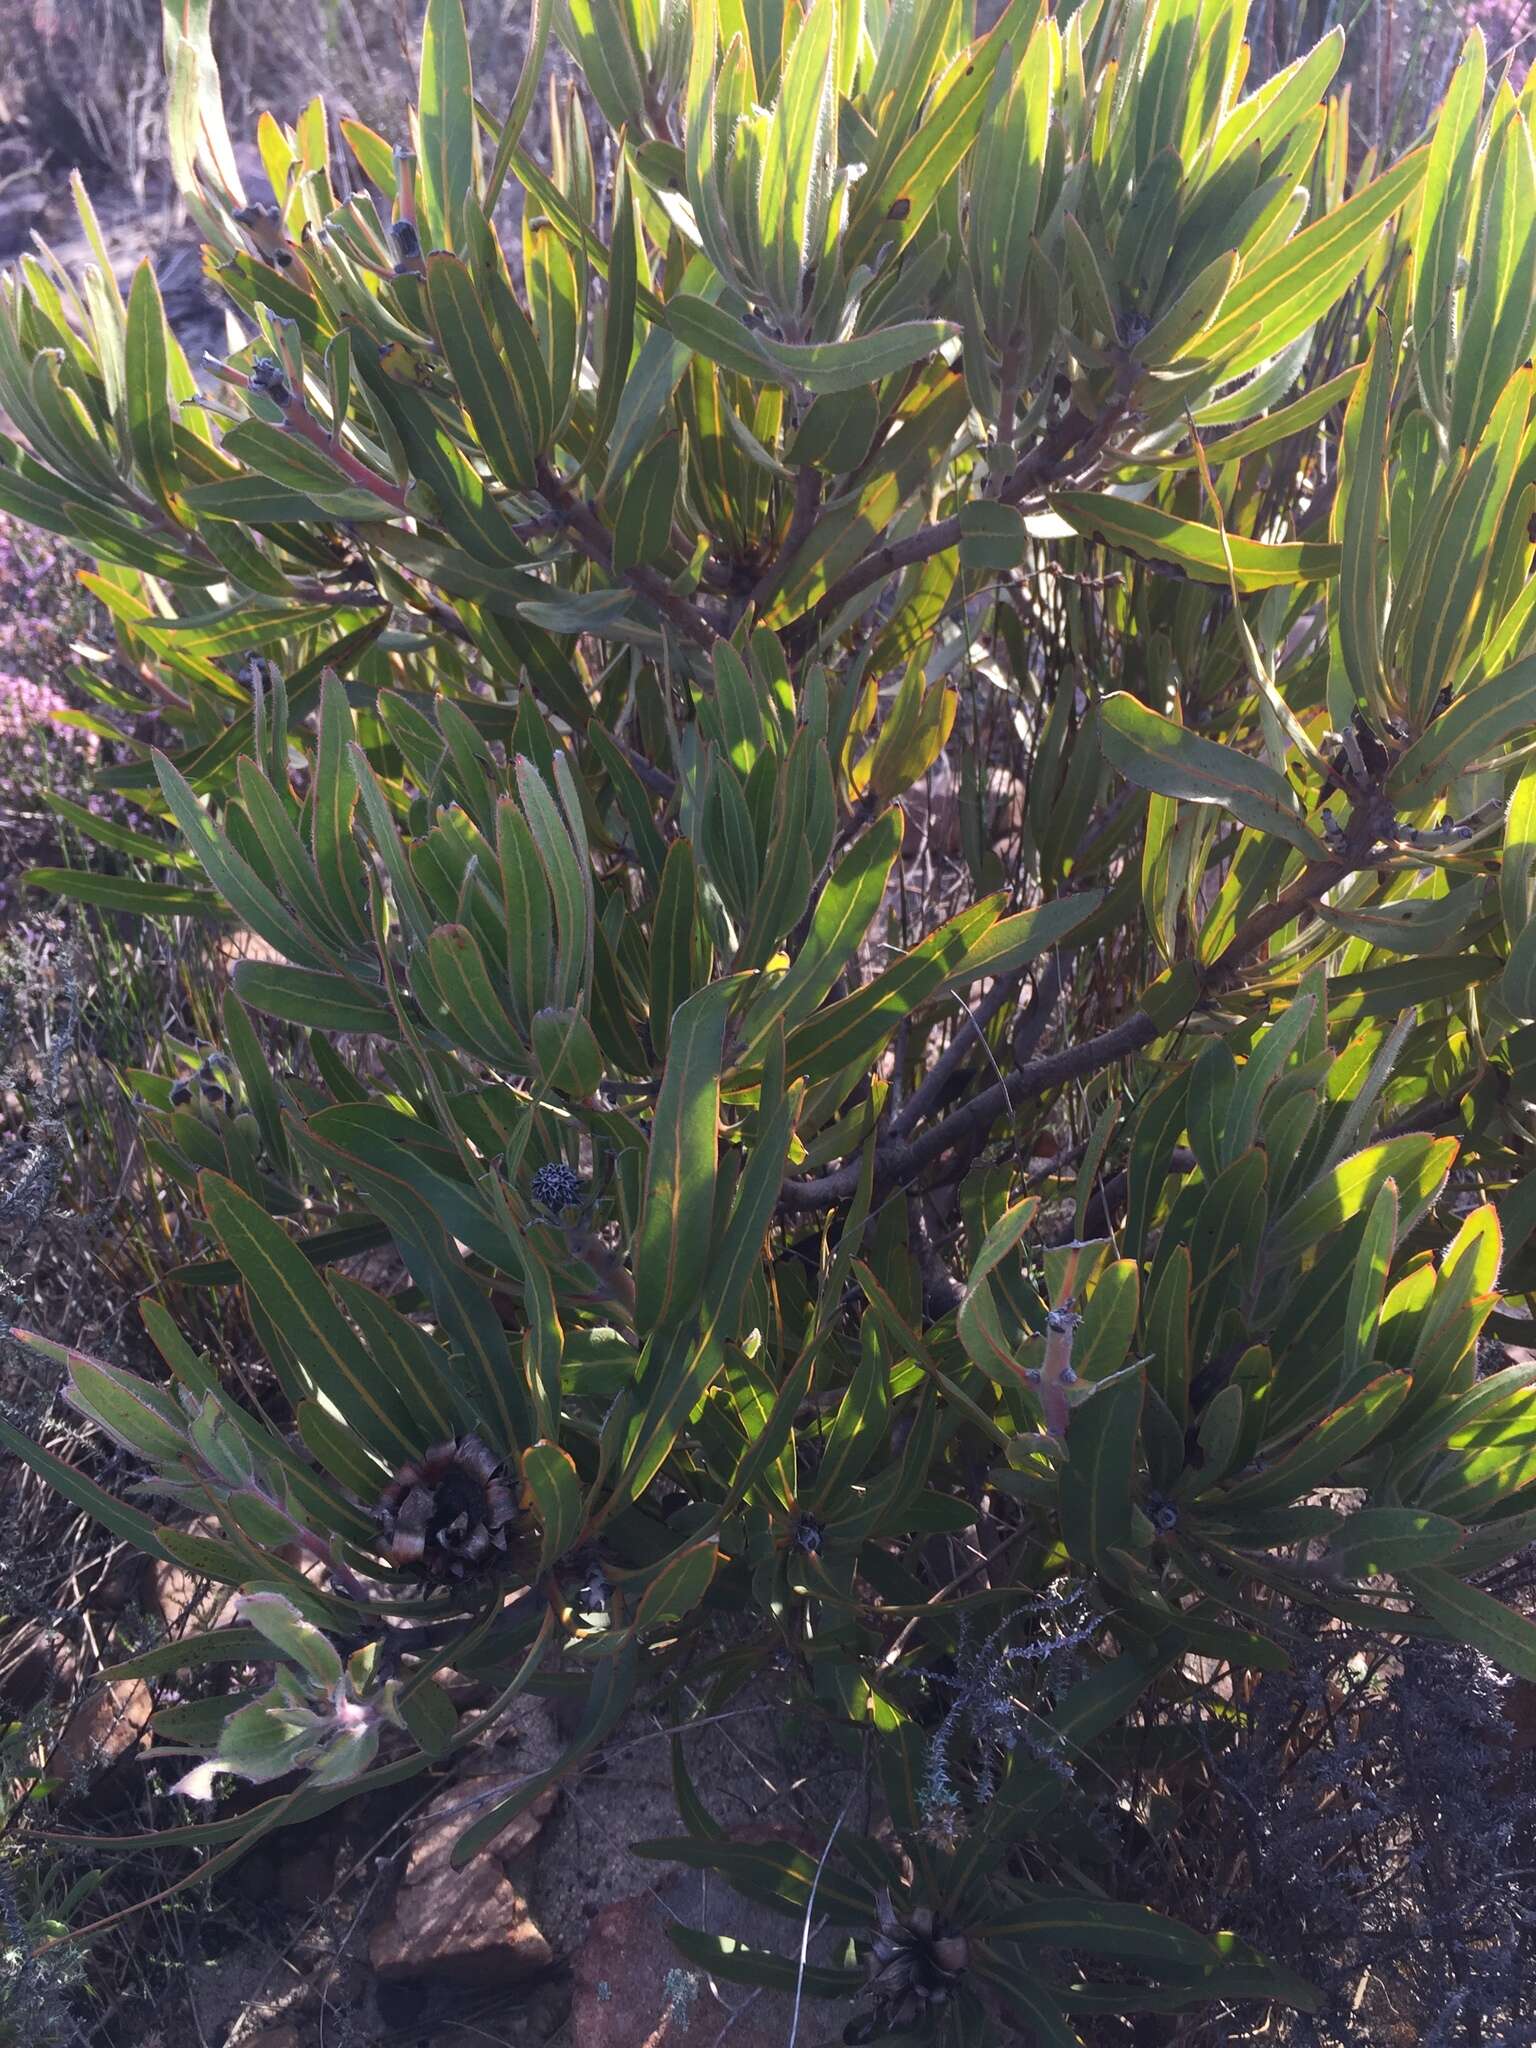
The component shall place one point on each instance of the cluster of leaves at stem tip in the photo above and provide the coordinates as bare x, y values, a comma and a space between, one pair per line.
951, 1320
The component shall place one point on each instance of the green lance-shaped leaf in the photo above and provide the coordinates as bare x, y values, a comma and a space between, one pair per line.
1374, 1541
1109, 1321
1053, 1917
322, 1002
1158, 536
1450, 186
619, 315
1273, 427
247, 894
861, 1422
824, 368
672, 932
1268, 116
740, 1250
1010, 167
292, 1636
642, 524
901, 194
297, 466
1410, 924
1472, 728
1325, 1450
1097, 1482
1458, 550
794, 191
122, 892
1014, 941
601, 38
1190, 314
477, 1016
992, 536
107, 832
337, 860
705, 140
727, 840
679, 1585
672, 1249
146, 365
914, 734
676, 1373
295, 1302
851, 895
284, 854
569, 1057
1281, 295
450, 149
529, 912
569, 879
144, 1419
1416, 1163
555, 1496
1499, 310
503, 416
557, 299
1271, 1050
1518, 983
1488, 1454
1166, 1331
738, 708
852, 1031
412, 1360
1361, 513
734, 1962
1156, 754
1517, 867
1368, 1282
1094, 302
1477, 1619
430, 1717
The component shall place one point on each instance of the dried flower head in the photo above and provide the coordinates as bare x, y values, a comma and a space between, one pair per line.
445, 1516
913, 1969
558, 1187
267, 377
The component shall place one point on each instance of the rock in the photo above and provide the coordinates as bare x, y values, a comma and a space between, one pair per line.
632, 1989
468, 1926
107, 1726
449, 1815
473, 1925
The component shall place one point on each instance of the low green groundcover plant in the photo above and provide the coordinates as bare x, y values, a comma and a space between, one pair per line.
964, 1293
